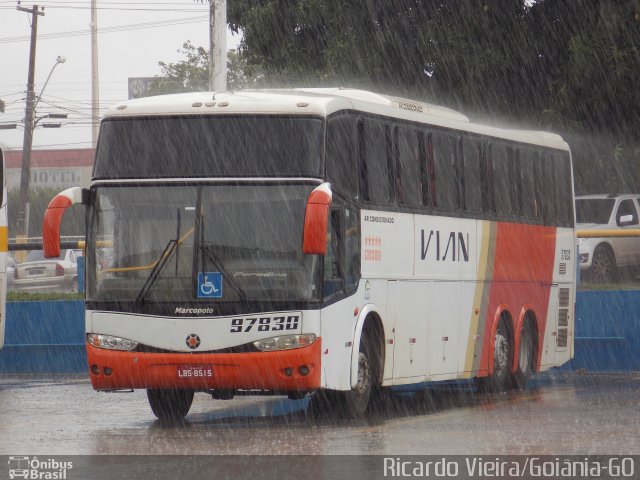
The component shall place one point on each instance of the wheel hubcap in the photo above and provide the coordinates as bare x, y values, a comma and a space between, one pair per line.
501, 354
523, 357
363, 374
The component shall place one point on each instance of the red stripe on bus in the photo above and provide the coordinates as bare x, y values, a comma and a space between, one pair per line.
522, 274
259, 370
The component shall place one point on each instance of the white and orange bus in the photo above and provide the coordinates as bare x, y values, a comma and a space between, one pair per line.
329, 240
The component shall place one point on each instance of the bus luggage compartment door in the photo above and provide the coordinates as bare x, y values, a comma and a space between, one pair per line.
407, 309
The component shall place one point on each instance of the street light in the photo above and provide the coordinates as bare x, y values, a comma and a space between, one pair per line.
60, 59
29, 125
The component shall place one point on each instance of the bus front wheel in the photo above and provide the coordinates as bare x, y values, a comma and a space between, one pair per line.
357, 399
170, 405
353, 403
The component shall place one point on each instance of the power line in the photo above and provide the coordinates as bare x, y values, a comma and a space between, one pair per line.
83, 2
173, 10
67, 109
52, 145
120, 28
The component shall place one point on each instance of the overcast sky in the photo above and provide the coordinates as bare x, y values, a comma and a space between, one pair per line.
133, 37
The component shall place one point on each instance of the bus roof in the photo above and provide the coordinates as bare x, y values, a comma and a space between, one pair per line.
321, 101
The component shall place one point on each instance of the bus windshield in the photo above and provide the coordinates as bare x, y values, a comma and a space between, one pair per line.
205, 146
200, 243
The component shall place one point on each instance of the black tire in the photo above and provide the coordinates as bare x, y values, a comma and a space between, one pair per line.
497, 381
357, 399
354, 403
170, 405
526, 357
603, 266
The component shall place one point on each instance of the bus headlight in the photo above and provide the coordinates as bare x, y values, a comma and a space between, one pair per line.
110, 342
285, 342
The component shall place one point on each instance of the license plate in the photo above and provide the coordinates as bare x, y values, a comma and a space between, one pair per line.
195, 371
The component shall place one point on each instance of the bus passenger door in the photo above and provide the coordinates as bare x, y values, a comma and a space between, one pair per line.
407, 307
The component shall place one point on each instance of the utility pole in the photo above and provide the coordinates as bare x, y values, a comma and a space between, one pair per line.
25, 172
218, 45
95, 82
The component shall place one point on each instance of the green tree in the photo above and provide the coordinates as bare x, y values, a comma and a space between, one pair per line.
1, 106
591, 55
567, 66
451, 52
191, 74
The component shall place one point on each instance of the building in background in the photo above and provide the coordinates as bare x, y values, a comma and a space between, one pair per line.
52, 168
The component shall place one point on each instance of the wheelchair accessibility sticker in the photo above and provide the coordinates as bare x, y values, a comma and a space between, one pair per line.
209, 285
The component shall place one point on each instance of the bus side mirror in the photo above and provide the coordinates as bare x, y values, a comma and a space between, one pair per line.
53, 218
316, 219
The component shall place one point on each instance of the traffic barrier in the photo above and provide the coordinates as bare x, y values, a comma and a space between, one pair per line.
607, 335
48, 337
44, 337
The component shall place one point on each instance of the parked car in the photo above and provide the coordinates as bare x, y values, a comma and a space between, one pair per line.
601, 259
39, 274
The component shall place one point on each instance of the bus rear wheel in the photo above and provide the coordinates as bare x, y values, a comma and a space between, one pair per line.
170, 405
526, 356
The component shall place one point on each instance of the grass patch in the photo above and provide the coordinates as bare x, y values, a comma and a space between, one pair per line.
27, 296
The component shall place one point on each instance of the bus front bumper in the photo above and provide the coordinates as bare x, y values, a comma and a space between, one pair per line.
281, 371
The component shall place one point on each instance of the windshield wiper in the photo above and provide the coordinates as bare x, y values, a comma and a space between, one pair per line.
213, 258
157, 269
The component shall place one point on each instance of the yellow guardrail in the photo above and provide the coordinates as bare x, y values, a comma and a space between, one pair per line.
607, 233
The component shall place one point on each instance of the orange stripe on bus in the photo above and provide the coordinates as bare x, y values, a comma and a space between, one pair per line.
522, 274
259, 370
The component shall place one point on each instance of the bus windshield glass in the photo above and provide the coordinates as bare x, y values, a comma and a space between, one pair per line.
209, 243
205, 146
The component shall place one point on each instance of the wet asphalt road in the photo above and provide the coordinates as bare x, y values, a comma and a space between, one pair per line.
564, 414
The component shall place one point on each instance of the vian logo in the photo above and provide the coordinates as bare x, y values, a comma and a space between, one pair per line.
455, 249
193, 341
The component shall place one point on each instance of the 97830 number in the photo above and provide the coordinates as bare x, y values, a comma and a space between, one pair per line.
265, 324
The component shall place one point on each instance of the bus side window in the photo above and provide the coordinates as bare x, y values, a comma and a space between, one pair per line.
527, 187
549, 186
538, 187
471, 177
562, 168
503, 187
486, 180
342, 260
332, 258
445, 174
351, 248
409, 163
375, 176
341, 160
